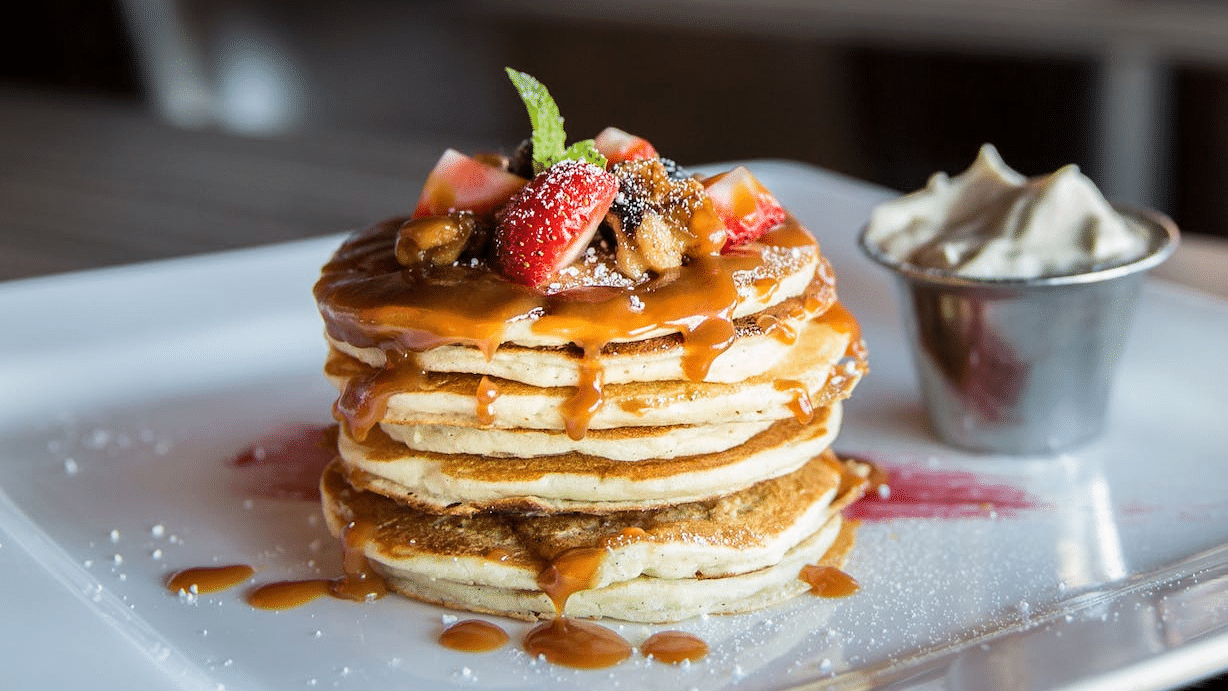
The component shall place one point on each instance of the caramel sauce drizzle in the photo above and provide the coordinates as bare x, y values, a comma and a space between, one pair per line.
707, 340
635, 405
359, 581
801, 405
498, 554
364, 400
579, 409
624, 537
568, 573
766, 287
779, 329
369, 300
828, 581
578, 644
288, 594
565, 641
877, 478
841, 319
849, 481
486, 395
208, 579
674, 647
473, 636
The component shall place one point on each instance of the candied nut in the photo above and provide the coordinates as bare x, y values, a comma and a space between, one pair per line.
434, 240
661, 243
659, 219
627, 256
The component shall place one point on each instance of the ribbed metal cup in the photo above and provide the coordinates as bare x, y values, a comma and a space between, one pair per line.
1022, 366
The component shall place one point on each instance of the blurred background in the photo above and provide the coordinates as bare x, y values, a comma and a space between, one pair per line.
1134, 91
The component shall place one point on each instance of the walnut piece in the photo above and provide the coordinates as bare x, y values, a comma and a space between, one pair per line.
659, 220
434, 240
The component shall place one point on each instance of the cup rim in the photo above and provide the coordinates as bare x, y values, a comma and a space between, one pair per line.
1163, 241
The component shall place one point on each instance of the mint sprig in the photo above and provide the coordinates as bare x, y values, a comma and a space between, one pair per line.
549, 139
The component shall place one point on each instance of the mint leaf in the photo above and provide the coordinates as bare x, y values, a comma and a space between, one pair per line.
549, 138
585, 150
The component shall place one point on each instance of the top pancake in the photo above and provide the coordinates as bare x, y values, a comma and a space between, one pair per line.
368, 300
760, 340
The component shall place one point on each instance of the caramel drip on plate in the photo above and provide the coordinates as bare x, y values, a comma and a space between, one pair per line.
208, 579
288, 594
674, 647
367, 299
473, 636
565, 641
486, 395
579, 644
359, 581
828, 581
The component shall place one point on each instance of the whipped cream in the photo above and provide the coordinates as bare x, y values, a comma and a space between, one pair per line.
992, 222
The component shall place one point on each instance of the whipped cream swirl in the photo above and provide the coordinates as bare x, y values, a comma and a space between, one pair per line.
991, 222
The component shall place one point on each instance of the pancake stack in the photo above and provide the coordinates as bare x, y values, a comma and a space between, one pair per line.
644, 445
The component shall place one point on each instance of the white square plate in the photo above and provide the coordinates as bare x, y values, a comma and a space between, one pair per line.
125, 394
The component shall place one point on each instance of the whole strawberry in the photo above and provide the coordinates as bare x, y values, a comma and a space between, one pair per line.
550, 221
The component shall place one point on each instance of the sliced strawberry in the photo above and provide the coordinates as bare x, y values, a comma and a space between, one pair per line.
746, 207
549, 222
618, 146
460, 183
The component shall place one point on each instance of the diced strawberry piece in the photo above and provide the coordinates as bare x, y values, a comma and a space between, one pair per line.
618, 146
460, 183
549, 223
746, 207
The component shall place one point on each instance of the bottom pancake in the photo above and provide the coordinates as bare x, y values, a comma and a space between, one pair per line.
645, 599
734, 553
